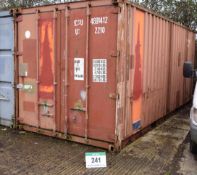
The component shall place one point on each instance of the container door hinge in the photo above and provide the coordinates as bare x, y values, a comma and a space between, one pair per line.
18, 53
88, 10
115, 53
55, 14
116, 10
19, 19
114, 96
130, 97
67, 13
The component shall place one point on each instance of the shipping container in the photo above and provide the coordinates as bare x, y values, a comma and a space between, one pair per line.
7, 104
98, 72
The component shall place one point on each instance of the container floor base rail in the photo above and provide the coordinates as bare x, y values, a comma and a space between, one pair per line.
91, 142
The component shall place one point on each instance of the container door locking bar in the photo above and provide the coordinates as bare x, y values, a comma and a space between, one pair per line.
46, 106
114, 96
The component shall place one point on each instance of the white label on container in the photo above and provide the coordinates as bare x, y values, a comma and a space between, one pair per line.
99, 70
95, 160
27, 87
27, 34
78, 68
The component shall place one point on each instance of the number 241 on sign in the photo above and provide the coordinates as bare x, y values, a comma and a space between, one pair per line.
95, 160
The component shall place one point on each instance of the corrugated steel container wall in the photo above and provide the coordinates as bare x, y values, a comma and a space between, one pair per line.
97, 72
7, 104
156, 68
156, 85
179, 53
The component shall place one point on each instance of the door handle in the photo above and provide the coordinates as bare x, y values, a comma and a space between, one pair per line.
114, 96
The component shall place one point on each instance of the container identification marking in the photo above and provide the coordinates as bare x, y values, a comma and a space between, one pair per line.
99, 70
78, 68
78, 23
99, 30
99, 20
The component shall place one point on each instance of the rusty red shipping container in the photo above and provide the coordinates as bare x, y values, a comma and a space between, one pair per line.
98, 72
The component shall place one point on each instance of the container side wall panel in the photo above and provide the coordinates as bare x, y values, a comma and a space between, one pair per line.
179, 85
155, 69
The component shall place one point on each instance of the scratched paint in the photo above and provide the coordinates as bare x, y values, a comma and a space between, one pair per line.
46, 59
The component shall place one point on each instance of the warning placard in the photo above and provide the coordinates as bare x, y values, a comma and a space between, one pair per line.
99, 70
78, 68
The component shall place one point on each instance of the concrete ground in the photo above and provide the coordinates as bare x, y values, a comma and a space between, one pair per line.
164, 150
187, 162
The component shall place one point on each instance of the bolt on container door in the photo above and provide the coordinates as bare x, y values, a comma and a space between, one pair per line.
6, 69
92, 38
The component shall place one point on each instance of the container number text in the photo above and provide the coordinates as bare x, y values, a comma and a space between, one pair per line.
99, 30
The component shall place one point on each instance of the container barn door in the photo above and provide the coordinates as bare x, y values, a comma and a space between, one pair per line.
102, 73
91, 80
48, 69
6, 69
38, 70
